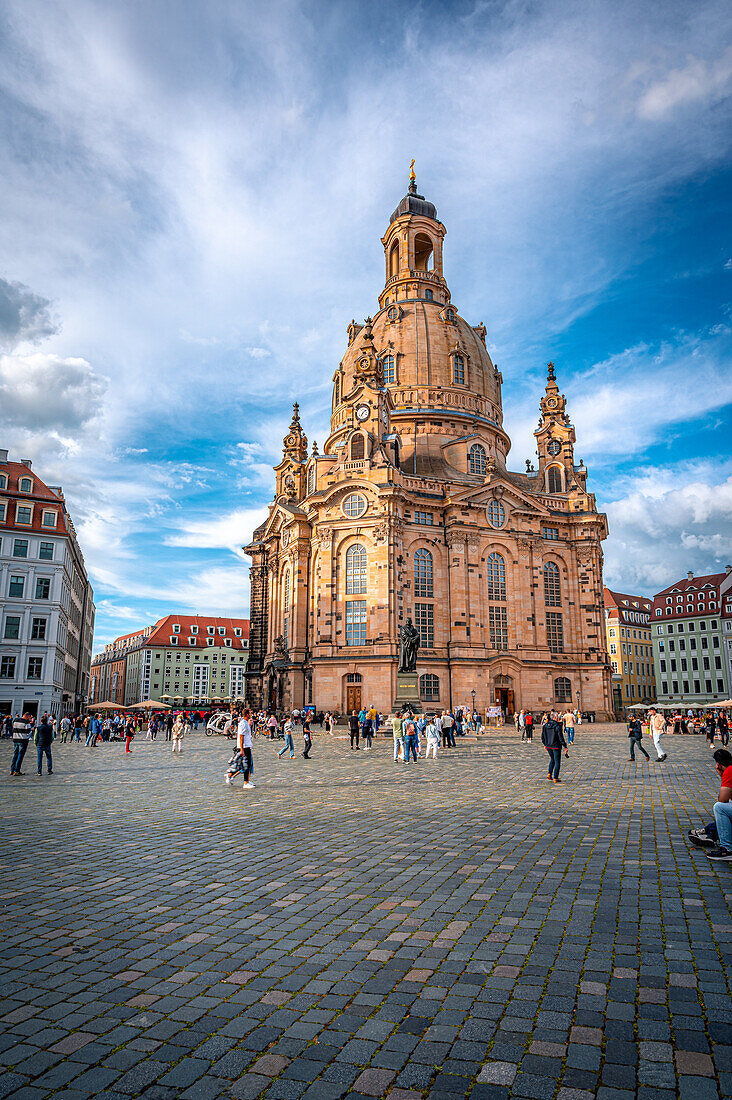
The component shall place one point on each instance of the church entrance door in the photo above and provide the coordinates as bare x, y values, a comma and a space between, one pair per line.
504, 700
353, 698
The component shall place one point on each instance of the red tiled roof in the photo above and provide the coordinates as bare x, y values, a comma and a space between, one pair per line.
692, 582
40, 496
615, 599
163, 630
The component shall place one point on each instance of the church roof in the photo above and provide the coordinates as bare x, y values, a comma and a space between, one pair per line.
412, 203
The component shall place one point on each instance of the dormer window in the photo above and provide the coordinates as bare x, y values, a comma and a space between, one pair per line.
227, 641
477, 459
191, 641
176, 628
237, 631
450, 314
194, 629
210, 641
3, 481
23, 514
209, 630
173, 639
389, 368
222, 630
26, 485
458, 370
49, 519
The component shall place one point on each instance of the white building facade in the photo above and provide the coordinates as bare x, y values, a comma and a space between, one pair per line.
690, 655
46, 601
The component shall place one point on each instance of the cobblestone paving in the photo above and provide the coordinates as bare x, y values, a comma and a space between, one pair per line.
353, 927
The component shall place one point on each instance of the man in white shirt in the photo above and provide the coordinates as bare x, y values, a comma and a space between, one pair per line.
244, 744
658, 726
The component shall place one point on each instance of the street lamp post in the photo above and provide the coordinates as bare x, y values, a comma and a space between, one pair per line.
473, 710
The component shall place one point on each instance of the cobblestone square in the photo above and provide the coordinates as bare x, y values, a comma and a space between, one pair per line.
355, 927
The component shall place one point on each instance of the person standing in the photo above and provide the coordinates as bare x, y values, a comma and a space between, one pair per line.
169, 725
635, 733
306, 736
520, 720
244, 744
22, 729
433, 739
397, 727
77, 730
44, 740
448, 727
129, 734
710, 728
553, 740
368, 728
723, 727
65, 728
569, 721
289, 743
529, 722
354, 729
272, 726
657, 727
410, 740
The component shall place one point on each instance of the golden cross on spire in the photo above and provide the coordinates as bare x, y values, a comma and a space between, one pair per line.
412, 176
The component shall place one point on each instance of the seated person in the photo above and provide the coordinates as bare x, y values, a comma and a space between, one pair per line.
710, 835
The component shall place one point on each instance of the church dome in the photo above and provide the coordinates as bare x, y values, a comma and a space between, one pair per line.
412, 203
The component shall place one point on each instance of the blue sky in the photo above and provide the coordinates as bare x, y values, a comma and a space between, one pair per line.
193, 196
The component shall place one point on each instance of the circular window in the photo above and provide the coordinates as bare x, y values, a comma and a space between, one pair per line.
354, 505
392, 314
496, 514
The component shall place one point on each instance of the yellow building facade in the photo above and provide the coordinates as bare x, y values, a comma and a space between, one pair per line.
411, 512
630, 648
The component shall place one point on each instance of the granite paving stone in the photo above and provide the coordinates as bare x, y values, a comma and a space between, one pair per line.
500, 949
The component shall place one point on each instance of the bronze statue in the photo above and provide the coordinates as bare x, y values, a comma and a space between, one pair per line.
408, 646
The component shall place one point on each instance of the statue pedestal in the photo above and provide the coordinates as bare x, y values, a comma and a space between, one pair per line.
407, 693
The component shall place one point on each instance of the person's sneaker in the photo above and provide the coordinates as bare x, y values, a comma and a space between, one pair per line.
228, 781
699, 839
719, 854
557, 781
664, 756
248, 786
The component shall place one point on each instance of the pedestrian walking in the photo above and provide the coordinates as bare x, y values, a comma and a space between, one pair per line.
306, 737
354, 729
65, 728
289, 743
177, 733
22, 729
635, 733
657, 726
723, 727
129, 734
552, 737
710, 728
569, 721
44, 739
244, 744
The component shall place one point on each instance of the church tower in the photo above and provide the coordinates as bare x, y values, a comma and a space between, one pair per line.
411, 512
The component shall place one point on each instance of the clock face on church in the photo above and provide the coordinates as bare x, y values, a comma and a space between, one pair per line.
554, 447
362, 412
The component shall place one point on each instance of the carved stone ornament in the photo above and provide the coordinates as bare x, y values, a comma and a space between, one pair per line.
456, 540
279, 646
473, 542
324, 536
285, 538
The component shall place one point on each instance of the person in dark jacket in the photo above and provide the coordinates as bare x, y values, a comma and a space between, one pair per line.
552, 737
44, 740
635, 732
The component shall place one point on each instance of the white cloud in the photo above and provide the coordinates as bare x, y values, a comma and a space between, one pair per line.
257, 353
667, 522
49, 393
639, 397
227, 532
696, 81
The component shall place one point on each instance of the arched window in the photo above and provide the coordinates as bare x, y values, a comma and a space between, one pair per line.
450, 315
423, 574
394, 259
353, 678
358, 448
422, 252
496, 514
496, 572
476, 459
387, 364
429, 295
562, 690
554, 479
356, 570
458, 370
336, 392
552, 588
429, 686
311, 479
286, 593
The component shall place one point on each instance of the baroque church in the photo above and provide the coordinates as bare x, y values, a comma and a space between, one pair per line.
412, 513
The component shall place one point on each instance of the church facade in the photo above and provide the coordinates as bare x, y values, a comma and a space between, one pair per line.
412, 513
